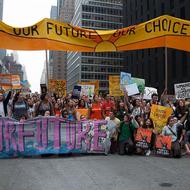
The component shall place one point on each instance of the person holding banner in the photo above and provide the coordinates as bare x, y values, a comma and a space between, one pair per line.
3, 104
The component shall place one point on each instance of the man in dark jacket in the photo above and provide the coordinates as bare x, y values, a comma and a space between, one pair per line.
3, 104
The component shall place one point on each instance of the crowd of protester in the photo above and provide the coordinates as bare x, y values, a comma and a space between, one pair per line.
123, 115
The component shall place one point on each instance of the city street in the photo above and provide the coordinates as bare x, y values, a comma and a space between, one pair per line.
95, 172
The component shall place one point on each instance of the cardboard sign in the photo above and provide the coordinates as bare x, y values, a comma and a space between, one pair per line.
132, 89
140, 84
125, 79
163, 145
182, 90
160, 114
76, 92
87, 90
96, 84
143, 138
58, 87
114, 86
148, 91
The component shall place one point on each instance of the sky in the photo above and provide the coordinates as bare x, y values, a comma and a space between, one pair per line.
21, 13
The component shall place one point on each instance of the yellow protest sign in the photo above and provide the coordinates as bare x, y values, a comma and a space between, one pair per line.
160, 114
114, 86
58, 87
163, 31
96, 84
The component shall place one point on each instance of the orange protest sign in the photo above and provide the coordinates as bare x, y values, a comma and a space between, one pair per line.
143, 138
58, 87
16, 82
163, 144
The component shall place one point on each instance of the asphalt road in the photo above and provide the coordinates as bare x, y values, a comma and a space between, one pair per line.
95, 172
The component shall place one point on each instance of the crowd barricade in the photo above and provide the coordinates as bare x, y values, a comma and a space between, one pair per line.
52, 135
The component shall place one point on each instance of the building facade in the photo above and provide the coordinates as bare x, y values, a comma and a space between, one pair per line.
2, 52
95, 14
58, 59
149, 63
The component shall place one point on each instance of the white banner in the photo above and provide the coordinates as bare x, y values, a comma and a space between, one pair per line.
87, 90
182, 90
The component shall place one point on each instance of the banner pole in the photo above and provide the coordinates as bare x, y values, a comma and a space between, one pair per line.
47, 70
166, 67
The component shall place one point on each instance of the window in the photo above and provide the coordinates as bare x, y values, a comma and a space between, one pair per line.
184, 62
182, 12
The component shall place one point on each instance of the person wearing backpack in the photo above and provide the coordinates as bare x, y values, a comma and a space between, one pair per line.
126, 135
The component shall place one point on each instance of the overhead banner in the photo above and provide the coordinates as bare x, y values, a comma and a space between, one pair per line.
51, 135
182, 90
58, 87
114, 86
163, 31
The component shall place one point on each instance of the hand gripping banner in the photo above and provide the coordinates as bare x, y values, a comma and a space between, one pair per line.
163, 31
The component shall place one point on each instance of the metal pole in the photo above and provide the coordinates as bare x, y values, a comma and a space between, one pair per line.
47, 69
166, 67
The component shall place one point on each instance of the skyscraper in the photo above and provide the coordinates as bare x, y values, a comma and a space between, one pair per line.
95, 14
1, 9
2, 52
149, 63
58, 59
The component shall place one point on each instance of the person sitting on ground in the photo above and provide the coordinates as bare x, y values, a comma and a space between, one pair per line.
126, 136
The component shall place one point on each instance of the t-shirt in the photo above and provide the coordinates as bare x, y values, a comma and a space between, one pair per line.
96, 112
112, 125
2, 113
107, 106
125, 131
20, 109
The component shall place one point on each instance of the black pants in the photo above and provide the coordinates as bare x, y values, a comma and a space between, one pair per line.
176, 149
126, 146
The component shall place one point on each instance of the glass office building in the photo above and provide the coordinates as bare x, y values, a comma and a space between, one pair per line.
95, 14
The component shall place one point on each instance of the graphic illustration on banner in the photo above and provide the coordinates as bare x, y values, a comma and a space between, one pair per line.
52, 135
163, 145
182, 90
49, 34
143, 138
58, 87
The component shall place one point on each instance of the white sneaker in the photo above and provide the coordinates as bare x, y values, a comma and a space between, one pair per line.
148, 152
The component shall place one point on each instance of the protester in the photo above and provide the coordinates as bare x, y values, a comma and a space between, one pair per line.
44, 105
126, 136
171, 130
113, 128
19, 107
3, 104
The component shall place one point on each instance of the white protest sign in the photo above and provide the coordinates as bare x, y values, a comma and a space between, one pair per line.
87, 90
182, 90
148, 91
132, 89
